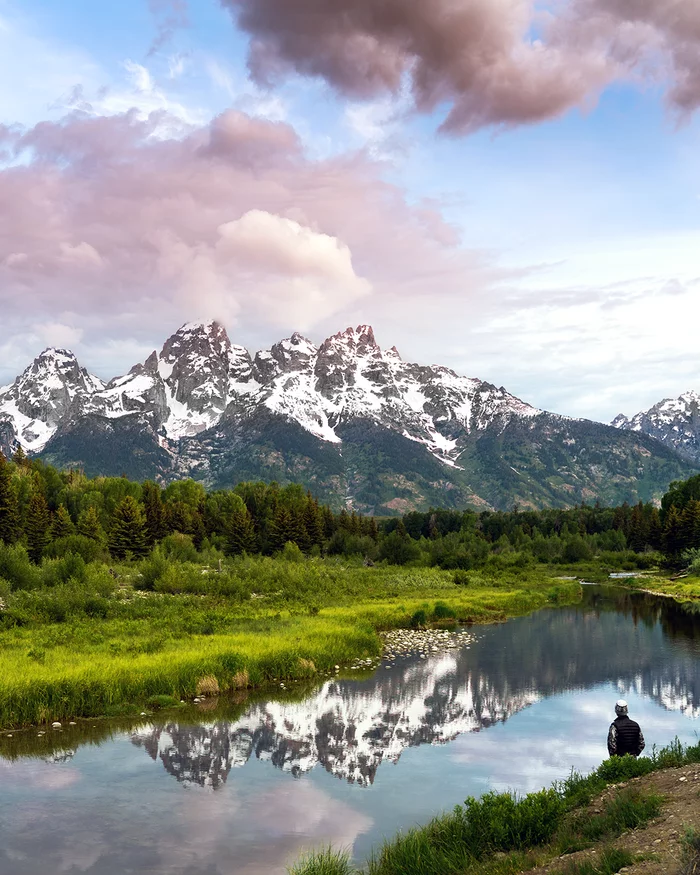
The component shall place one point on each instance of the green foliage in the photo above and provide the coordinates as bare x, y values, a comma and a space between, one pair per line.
127, 534
9, 506
62, 525
325, 862
179, 548
87, 548
36, 526
610, 862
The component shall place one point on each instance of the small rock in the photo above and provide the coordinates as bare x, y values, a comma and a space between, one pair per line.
143, 714
657, 841
683, 778
56, 725
72, 723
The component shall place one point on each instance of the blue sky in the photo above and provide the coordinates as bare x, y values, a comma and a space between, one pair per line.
573, 272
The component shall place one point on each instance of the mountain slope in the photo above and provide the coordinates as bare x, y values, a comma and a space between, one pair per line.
675, 422
350, 420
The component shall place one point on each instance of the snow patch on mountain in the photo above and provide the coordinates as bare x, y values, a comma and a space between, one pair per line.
198, 376
673, 421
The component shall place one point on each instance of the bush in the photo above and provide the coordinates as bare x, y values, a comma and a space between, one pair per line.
151, 570
420, 618
292, 553
17, 568
179, 548
57, 571
443, 612
79, 545
461, 578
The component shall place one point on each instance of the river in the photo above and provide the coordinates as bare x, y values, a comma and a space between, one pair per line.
244, 788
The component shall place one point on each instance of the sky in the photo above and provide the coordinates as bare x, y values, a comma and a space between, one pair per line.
510, 188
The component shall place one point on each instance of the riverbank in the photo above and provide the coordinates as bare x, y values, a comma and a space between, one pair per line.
637, 816
68, 652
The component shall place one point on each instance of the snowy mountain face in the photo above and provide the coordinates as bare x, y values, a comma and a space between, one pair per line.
44, 395
199, 375
675, 422
348, 419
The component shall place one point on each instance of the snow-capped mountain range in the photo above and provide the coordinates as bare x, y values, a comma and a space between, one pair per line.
350, 419
199, 375
674, 421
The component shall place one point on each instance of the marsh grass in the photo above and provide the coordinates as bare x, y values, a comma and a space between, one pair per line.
325, 862
102, 646
691, 852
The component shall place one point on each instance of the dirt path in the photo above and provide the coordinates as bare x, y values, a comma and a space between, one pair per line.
660, 840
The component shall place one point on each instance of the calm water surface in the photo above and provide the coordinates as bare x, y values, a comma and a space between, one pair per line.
245, 788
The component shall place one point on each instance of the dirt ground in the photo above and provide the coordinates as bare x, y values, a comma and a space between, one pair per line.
660, 840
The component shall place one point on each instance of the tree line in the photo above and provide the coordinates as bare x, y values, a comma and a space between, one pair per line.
53, 512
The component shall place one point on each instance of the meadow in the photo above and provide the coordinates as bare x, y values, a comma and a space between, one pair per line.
81, 639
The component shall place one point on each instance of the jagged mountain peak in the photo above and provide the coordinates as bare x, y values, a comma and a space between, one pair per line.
673, 421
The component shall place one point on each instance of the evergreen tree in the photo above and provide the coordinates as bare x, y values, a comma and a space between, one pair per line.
690, 525
127, 533
154, 512
638, 536
20, 458
313, 522
656, 533
279, 530
240, 537
89, 525
37, 523
372, 529
673, 540
328, 520
62, 524
9, 506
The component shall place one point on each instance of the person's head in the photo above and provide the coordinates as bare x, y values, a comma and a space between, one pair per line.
621, 708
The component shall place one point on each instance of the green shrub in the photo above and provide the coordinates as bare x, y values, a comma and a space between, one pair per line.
17, 568
69, 567
443, 612
179, 548
79, 545
461, 578
420, 618
610, 863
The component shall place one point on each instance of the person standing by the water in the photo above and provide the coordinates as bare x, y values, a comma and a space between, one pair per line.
624, 736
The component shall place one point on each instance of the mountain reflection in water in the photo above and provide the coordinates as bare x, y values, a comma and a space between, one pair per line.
351, 727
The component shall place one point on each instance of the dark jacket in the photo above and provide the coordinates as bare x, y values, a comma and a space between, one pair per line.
625, 736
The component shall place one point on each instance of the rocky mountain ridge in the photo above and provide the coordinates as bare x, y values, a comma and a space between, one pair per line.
349, 419
674, 421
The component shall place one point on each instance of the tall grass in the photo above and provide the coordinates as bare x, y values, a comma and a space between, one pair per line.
92, 643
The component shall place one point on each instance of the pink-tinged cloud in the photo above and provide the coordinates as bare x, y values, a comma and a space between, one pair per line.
493, 62
107, 226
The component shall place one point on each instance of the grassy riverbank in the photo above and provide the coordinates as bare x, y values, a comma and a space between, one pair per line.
573, 828
107, 644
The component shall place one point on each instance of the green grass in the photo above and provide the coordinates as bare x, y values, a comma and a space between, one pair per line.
610, 862
691, 852
100, 646
326, 862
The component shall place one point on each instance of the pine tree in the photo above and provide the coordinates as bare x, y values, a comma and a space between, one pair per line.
240, 536
36, 527
673, 542
638, 536
20, 458
690, 525
62, 524
656, 533
279, 530
9, 506
127, 533
329, 524
154, 511
313, 522
89, 525
372, 529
